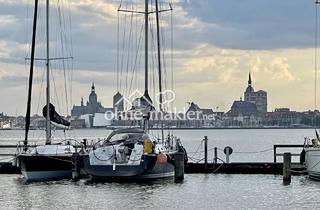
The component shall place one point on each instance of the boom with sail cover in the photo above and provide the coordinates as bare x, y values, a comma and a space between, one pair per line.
54, 116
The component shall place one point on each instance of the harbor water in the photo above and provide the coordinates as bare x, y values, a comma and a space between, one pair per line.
198, 191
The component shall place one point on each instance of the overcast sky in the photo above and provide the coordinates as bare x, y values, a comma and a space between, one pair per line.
216, 43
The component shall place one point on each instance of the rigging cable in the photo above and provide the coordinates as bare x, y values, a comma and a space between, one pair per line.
63, 55
71, 53
123, 45
118, 49
172, 87
152, 63
134, 68
315, 63
128, 52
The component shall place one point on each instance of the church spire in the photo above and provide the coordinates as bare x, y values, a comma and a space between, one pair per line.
249, 81
92, 87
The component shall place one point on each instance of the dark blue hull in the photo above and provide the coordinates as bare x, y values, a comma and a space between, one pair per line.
149, 168
49, 167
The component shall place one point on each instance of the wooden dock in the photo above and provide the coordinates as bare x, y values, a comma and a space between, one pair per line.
274, 167
243, 168
9, 168
193, 168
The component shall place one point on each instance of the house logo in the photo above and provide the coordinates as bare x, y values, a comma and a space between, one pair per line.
138, 99
168, 96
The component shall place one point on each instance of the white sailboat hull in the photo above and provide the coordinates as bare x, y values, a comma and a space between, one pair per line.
313, 162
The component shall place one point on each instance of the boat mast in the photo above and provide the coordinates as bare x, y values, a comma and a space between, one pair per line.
146, 46
146, 52
48, 128
159, 66
34, 30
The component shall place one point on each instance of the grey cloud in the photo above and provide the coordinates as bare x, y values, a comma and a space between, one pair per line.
10, 81
257, 24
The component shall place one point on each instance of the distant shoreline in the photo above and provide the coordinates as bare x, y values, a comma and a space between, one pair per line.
223, 128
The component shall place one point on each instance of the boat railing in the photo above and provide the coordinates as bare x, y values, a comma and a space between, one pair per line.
22, 148
311, 142
277, 146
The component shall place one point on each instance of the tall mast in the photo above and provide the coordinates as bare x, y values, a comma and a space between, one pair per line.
146, 46
48, 128
159, 66
34, 30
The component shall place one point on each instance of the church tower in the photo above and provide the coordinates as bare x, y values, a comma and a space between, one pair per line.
258, 98
249, 94
93, 100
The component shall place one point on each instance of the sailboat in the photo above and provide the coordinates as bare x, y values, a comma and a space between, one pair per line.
310, 155
134, 153
49, 161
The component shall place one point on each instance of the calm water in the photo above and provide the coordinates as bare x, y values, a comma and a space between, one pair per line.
211, 191
248, 144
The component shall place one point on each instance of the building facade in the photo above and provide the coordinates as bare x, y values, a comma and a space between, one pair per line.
92, 106
259, 98
118, 102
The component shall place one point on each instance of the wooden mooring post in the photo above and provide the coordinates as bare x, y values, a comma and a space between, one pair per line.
227, 155
215, 155
75, 166
179, 166
286, 168
205, 152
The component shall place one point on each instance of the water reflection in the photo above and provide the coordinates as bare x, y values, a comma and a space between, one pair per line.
198, 191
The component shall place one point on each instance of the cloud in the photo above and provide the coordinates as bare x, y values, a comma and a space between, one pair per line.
281, 70
215, 44
250, 24
7, 20
225, 66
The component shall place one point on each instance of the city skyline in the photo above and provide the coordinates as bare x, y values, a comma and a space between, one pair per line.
276, 46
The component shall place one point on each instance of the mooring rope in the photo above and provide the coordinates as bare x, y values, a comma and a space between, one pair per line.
50, 157
299, 172
217, 169
240, 152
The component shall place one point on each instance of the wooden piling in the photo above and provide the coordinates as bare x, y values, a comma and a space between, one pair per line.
215, 159
179, 166
286, 168
205, 152
227, 155
274, 153
75, 167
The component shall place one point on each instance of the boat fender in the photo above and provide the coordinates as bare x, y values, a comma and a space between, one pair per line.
147, 146
161, 158
303, 157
